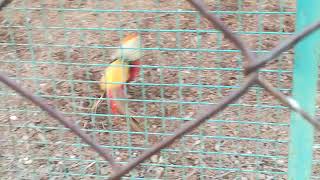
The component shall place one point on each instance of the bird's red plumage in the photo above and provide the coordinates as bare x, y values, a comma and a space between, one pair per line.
113, 106
134, 71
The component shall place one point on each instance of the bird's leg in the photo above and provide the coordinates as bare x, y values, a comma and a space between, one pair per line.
121, 108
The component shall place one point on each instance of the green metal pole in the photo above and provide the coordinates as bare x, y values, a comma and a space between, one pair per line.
305, 76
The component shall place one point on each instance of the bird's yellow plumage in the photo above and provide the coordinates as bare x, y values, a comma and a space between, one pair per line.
117, 72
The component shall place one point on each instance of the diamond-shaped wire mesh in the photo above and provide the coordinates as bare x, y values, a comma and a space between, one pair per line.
58, 50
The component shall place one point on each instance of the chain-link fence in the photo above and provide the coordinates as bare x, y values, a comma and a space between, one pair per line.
237, 123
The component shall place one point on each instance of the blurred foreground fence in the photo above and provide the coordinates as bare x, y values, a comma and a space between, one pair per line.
191, 72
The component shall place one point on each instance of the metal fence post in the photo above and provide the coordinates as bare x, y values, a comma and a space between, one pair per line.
304, 91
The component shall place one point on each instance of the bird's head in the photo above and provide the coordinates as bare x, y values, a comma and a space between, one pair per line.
130, 48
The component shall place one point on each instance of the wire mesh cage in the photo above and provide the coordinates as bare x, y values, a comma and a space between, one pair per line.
59, 49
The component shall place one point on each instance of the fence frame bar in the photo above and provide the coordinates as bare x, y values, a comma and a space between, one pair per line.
305, 75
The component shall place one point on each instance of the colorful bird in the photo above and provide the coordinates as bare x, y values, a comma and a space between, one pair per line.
118, 73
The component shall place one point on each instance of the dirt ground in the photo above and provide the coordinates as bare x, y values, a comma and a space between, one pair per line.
58, 49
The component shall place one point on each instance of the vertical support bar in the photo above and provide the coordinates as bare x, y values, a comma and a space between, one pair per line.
305, 76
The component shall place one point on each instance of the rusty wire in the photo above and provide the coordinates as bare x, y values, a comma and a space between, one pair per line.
251, 68
4, 3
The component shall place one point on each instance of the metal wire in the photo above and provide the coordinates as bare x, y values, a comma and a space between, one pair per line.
251, 70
